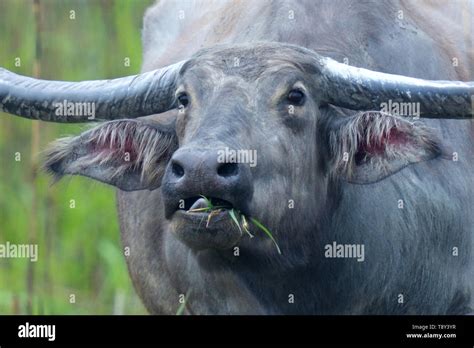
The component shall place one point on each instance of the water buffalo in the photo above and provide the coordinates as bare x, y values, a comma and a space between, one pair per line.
370, 209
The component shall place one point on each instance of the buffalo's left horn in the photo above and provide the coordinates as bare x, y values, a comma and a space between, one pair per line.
361, 89
127, 97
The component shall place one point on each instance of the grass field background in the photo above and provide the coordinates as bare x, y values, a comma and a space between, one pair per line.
80, 255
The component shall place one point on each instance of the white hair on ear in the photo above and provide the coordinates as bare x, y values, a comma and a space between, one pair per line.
373, 129
107, 145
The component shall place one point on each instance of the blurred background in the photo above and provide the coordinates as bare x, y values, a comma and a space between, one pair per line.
81, 267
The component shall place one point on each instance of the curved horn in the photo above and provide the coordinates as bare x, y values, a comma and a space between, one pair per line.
361, 89
127, 97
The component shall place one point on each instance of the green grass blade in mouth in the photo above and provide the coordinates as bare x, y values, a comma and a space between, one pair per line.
233, 213
206, 209
208, 202
267, 232
234, 218
198, 210
211, 214
245, 226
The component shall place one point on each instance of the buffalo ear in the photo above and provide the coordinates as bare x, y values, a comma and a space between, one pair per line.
370, 146
129, 154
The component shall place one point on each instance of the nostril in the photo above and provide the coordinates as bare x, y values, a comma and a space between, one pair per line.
228, 169
177, 169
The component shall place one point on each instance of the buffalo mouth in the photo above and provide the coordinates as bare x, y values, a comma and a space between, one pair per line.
205, 205
205, 222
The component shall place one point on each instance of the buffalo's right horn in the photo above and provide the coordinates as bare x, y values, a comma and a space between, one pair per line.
127, 97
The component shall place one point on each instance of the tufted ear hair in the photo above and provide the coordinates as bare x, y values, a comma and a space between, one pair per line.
370, 146
129, 154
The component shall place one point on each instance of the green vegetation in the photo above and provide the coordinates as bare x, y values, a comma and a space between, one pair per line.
74, 221
237, 217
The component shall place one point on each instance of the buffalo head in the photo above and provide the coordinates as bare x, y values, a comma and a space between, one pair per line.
249, 128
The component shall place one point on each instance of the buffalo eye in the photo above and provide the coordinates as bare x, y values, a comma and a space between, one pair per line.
296, 97
183, 99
